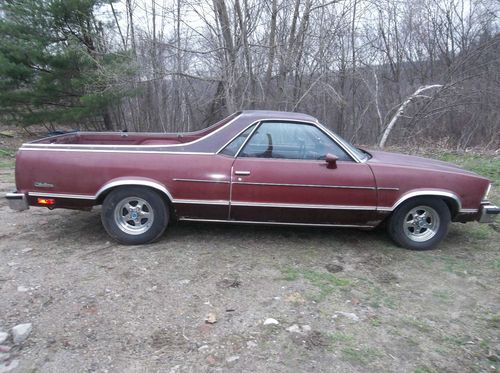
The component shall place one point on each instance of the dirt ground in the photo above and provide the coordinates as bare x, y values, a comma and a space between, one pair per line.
345, 300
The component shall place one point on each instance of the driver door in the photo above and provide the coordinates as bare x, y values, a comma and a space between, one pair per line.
281, 175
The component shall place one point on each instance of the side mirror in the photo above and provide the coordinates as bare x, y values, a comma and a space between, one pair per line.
331, 160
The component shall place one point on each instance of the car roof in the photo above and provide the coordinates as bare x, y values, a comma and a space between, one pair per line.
272, 114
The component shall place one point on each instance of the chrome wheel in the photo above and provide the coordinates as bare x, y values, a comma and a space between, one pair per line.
421, 223
134, 215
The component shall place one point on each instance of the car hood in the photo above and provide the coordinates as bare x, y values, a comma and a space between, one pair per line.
412, 161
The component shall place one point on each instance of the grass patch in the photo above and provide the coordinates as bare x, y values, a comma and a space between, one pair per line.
376, 322
424, 370
376, 295
443, 295
379, 298
480, 164
290, 274
456, 266
325, 282
338, 337
420, 325
494, 321
362, 356
6, 163
480, 231
6, 153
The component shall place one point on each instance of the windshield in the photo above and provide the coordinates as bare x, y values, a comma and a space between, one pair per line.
360, 154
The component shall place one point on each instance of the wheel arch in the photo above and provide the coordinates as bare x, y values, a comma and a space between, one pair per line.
450, 198
152, 184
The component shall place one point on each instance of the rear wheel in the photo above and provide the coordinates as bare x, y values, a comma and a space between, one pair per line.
420, 223
134, 215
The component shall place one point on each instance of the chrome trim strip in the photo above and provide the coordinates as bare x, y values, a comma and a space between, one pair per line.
306, 185
142, 146
468, 211
302, 206
382, 208
230, 192
203, 181
201, 202
61, 195
115, 151
256, 123
339, 141
277, 223
387, 188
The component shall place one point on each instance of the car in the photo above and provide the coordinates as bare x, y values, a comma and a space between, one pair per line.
253, 167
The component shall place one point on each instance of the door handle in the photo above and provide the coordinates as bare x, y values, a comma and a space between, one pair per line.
242, 173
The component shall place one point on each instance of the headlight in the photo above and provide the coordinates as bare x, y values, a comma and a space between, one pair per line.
487, 192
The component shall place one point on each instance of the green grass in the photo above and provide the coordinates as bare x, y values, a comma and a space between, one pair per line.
485, 166
456, 266
7, 163
361, 355
7, 159
480, 231
424, 370
338, 337
493, 321
420, 325
380, 298
443, 295
325, 282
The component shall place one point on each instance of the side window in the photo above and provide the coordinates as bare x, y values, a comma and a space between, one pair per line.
232, 148
291, 141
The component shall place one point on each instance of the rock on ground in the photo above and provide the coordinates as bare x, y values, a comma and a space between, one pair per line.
349, 315
211, 318
3, 337
21, 332
7, 367
271, 321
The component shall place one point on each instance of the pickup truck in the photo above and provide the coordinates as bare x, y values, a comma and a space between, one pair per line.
258, 167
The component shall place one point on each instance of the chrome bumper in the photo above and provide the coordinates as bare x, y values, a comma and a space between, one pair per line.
17, 201
489, 213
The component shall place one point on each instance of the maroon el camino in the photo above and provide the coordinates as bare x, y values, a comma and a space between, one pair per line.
259, 167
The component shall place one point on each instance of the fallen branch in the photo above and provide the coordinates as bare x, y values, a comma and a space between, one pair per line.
399, 113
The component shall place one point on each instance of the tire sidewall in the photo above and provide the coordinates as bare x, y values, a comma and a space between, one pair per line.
161, 215
396, 223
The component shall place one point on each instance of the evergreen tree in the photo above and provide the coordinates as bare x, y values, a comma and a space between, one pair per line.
55, 66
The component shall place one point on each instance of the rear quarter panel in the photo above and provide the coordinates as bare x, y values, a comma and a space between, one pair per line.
84, 173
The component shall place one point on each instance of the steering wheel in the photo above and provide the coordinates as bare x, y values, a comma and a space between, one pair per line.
302, 148
269, 151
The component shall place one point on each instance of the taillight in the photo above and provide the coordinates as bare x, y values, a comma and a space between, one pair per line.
46, 201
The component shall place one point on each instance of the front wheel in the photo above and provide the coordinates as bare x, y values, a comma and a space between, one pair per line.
420, 223
134, 215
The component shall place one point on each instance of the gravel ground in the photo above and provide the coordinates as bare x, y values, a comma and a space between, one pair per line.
344, 300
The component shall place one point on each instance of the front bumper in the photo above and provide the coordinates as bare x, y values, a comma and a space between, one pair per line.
17, 201
488, 212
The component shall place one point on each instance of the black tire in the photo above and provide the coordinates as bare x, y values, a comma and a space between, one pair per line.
407, 225
148, 225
